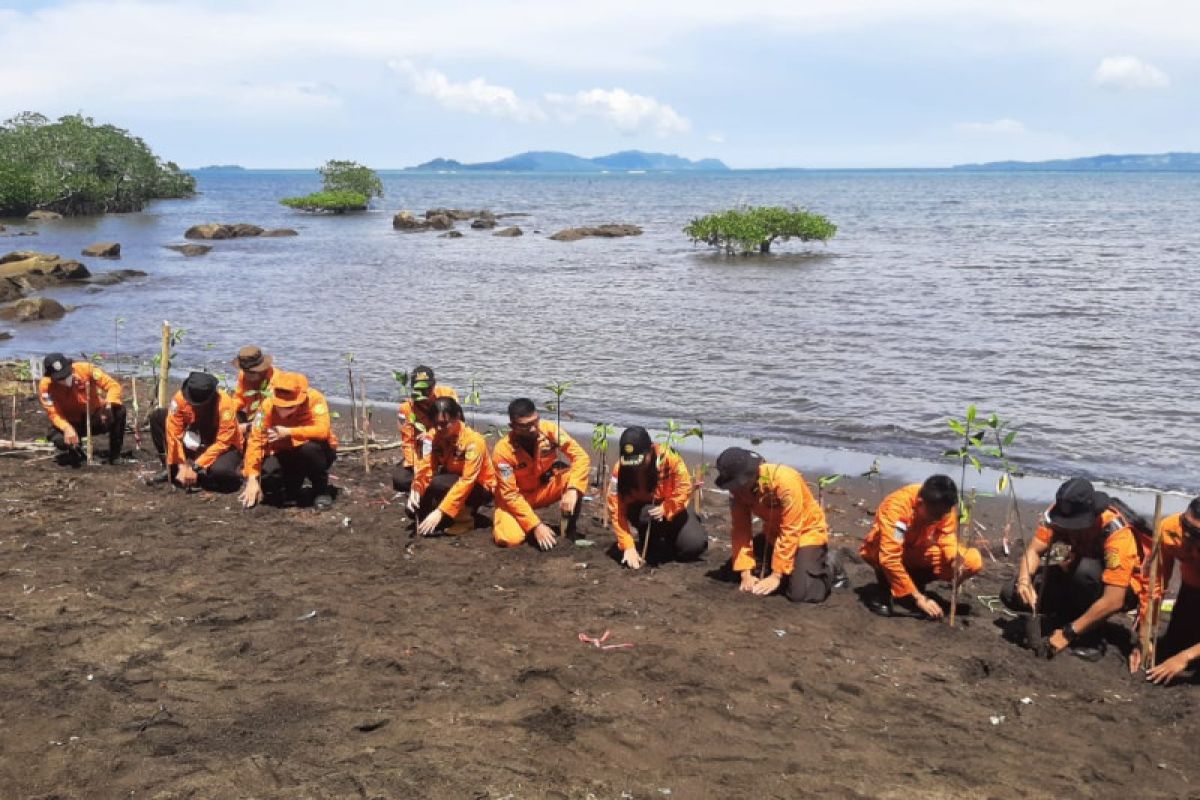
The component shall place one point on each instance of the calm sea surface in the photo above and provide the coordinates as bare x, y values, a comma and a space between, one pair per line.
1067, 303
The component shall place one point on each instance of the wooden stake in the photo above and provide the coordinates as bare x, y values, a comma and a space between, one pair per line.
14, 421
1149, 624
165, 366
353, 402
366, 426
137, 431
699, 492
87, 395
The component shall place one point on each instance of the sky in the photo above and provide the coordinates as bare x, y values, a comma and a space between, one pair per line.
755, 83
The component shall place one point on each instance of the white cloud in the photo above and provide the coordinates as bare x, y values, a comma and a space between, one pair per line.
476, 96
1127, 73
628, 113
716, 137
999, 127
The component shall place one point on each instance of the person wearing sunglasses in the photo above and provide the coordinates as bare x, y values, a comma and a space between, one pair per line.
1180, 544
455, 478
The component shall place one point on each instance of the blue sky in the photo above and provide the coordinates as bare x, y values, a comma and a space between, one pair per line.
757, 83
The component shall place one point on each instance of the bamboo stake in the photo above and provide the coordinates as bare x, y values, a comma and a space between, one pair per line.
353, 402
1149, 625
14, 421
137, 431
165, 366
87, 394
366, 425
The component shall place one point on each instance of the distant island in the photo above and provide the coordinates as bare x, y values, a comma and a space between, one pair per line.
219, 168
550, 161
1163, 162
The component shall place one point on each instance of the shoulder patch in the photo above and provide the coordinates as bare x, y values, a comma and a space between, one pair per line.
1112, 559
226, 416
505, 469
469, 451
320, 409
899, 531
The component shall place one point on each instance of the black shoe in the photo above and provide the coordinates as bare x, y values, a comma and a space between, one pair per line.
1091, 651
323, 502
881, 604
160, 477
837, 573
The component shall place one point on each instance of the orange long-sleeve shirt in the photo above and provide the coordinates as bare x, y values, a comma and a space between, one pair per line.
66, 403
791, 519
519, 472
409, 415
896, 531
251, 393
1176, 549
1113, 542
182, 417
310, 423
462, 452
673, 490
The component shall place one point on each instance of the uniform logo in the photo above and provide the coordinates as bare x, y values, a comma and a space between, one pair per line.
899, 531
226, 416
1112, 559
506, 470
56, 366
469, 452
47, 399
628, 449
320, 409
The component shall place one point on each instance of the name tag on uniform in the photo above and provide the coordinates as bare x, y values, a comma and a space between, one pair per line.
899, 531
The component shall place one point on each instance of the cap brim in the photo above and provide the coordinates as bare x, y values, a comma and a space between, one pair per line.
731, 482
635, 460
62, 373
281, 403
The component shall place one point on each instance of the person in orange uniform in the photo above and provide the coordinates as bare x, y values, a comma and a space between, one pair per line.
67, 390
1099, 577
1180, 646
530, 475
198, 438
457, 475
290, 440
794, 527
415, 420
255, 373
649, 493
915, 540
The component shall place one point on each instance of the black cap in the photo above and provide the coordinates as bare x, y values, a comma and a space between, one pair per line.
199, 388
737, 468
634, 445
421, 380
1077, 504
56, 366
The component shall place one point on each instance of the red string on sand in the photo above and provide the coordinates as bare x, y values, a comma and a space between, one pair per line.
599, 642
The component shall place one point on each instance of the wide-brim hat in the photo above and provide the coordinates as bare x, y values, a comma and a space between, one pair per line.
251, 358
1077, 505
56, 366
737, 468
289, 389
199, 388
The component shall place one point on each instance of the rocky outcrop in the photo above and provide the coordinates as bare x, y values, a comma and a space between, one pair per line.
456, 214
190, 249
407, 222
276, 233
41, 216
513, 231
115, 276
451, 235
28, 265
33, 308
5, 336
440, 222
601, 231
218, 230
103, 250
485, 221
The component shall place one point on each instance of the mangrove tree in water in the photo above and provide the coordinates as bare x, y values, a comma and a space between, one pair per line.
74, 166
346, 186
756, 228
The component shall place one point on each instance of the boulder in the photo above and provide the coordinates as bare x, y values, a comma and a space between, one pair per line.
103, 250
602, 231
44, 265
5, 336
275, 233
440, 222
513, 231
190, 249
484, 223
217, 230
33, 308
245, 229
115, 276
405, 221
451, 235
456, 214
21, 255
39, 215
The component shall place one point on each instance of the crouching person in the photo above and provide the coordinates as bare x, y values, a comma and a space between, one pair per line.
649, 494
1179, 650
455, 478
1099, 577
795, 533
290, 441
68, 391
198, 437
914, 541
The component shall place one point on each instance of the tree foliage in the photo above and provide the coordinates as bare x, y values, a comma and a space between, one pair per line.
74, 166
756, 228
346, 186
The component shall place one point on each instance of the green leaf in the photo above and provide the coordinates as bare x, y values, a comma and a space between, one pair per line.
829, 480
1002, 484
971, 414
1009, 437
957, 427
975, 463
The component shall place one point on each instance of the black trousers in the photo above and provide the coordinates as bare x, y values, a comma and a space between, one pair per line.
287, 470
1065, 594
680, 538
402, 477
811, 580
115, 430
1183, 630
224, 475
437, 489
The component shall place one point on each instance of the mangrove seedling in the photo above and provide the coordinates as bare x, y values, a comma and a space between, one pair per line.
118, 323
601, 432
1002, 438
971, 432
559, 390
473, 399
823, 483
349, 359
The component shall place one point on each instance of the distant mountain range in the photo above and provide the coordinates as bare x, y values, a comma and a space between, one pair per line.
550, 161
1163, 162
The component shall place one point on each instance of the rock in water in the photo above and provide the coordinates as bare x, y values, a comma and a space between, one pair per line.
217, 230
33, 308
39, 215
440, 222
103, 250
405, 221
190, 249
601, 231
509, 232
451, 235
275, 233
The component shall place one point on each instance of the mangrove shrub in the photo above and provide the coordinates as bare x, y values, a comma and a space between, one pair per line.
74, 166
346, 186
756, 228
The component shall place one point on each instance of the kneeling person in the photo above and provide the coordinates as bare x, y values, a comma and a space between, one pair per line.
456, 475
530, 476
415, 421
794, 527
67, 392
915, 540
1179, 648
290, 440
198, 437
649, 493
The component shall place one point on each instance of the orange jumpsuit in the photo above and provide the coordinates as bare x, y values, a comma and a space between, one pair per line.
791, 519
898, 546
182, 416
673, 490
1114, 543
66, 403
1175, 548
250, 395
464, 454
519, 485
409, 414
310, 423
